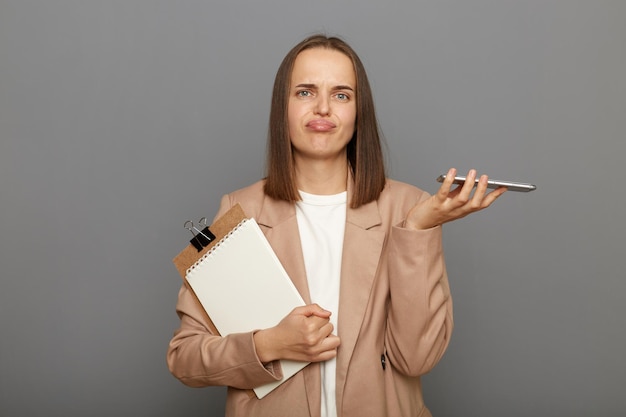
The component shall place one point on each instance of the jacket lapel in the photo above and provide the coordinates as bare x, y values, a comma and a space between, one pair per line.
362, 248
278, 221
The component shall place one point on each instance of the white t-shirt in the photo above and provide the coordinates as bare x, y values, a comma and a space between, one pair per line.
321, 223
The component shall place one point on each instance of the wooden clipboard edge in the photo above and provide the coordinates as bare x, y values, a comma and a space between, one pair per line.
220, 228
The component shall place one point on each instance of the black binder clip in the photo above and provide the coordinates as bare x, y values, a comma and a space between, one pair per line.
201, 238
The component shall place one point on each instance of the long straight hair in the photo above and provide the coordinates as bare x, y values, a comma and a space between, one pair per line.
364, 153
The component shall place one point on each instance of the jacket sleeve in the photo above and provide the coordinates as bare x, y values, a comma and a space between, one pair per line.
197, 357
419, 321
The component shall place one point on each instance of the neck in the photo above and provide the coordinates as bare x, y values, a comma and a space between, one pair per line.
322, 177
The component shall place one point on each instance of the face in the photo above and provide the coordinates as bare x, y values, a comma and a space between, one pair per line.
322, 105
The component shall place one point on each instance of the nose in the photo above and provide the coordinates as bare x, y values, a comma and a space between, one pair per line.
322, 105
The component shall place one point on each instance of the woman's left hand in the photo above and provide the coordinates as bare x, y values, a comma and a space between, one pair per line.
451, 204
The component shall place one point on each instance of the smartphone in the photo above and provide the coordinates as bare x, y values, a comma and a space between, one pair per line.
510, 185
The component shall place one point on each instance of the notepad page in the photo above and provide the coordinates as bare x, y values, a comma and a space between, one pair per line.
243, 287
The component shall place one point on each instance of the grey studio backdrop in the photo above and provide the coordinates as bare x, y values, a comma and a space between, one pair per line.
119, 120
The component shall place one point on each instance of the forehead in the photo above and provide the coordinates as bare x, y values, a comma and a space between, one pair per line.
323, 65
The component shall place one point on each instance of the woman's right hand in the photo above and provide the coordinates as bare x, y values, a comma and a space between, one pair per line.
304, 335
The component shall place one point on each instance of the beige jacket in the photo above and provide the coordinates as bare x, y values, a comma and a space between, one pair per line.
394, 304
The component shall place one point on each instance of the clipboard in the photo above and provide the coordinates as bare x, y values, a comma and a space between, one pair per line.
190, 255
238, 280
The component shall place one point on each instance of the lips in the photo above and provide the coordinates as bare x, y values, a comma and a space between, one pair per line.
320, 125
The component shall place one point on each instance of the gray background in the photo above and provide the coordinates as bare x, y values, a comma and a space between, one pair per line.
121, 119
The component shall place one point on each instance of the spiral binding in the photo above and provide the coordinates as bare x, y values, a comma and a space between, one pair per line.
216, 246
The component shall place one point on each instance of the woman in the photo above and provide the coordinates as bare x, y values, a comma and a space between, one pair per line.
364, 251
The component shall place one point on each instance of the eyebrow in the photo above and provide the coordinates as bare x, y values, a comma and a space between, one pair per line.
337, 87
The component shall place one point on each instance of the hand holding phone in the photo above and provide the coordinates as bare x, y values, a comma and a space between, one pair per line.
451, 203
510, 185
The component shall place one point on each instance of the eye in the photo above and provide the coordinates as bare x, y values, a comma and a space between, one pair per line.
304, 93
342, 96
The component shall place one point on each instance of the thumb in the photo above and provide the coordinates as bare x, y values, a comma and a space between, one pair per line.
314, 310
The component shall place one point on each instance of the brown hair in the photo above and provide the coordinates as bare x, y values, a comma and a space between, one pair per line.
364, 152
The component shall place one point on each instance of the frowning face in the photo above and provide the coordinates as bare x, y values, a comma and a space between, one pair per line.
322, 105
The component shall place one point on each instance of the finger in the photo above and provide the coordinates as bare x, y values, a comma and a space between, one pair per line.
312, 310
327, 349
331, 342
329, 345
492, 196
481, 190
326, 330
320, 327
446, 186
468, 186
318, 311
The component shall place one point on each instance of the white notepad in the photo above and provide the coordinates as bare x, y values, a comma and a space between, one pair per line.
243, 287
